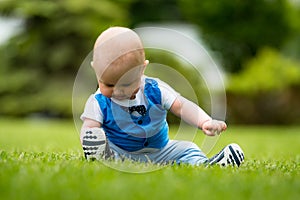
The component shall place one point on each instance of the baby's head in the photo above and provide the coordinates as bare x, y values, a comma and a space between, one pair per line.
119, 62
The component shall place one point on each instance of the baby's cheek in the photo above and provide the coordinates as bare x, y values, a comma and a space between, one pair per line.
106, 92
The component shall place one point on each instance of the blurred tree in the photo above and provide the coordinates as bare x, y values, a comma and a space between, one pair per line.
266, 91
39, 64
238, 29
292, 46
154, 11
269, 71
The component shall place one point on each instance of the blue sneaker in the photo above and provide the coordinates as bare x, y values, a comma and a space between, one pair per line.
232, 155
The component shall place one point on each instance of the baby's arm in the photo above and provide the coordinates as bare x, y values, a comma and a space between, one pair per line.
194, 115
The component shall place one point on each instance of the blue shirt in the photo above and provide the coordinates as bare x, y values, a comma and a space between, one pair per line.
133, 133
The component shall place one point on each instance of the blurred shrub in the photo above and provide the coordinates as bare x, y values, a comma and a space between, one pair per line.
266, 91
268, 71
39, 64
238, 29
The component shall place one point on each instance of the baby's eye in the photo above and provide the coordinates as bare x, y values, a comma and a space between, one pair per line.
126, 85
109, 85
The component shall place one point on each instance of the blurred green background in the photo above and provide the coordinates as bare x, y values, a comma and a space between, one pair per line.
257, 42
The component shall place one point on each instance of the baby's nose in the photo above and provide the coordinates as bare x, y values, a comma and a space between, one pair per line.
118, 91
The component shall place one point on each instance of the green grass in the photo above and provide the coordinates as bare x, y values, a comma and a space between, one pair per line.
43, 160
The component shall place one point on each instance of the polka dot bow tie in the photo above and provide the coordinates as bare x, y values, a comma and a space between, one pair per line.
140, 109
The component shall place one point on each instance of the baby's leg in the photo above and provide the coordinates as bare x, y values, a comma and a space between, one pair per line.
180, 152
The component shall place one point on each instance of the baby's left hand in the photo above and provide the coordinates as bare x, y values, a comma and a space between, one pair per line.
213, 127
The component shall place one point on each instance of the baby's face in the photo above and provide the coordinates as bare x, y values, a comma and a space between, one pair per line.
119, 85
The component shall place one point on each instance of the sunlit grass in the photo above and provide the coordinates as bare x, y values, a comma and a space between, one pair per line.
43, 160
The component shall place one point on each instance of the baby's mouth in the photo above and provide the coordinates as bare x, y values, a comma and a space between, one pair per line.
121, 97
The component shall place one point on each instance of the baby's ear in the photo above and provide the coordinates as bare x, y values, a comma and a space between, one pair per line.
146, 62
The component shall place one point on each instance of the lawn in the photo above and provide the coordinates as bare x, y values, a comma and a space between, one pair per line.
43, 160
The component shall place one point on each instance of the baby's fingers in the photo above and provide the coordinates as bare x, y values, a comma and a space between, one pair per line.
214, 127
219, 125
210, 132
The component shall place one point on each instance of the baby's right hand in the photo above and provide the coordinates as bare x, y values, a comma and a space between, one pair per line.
213, 127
